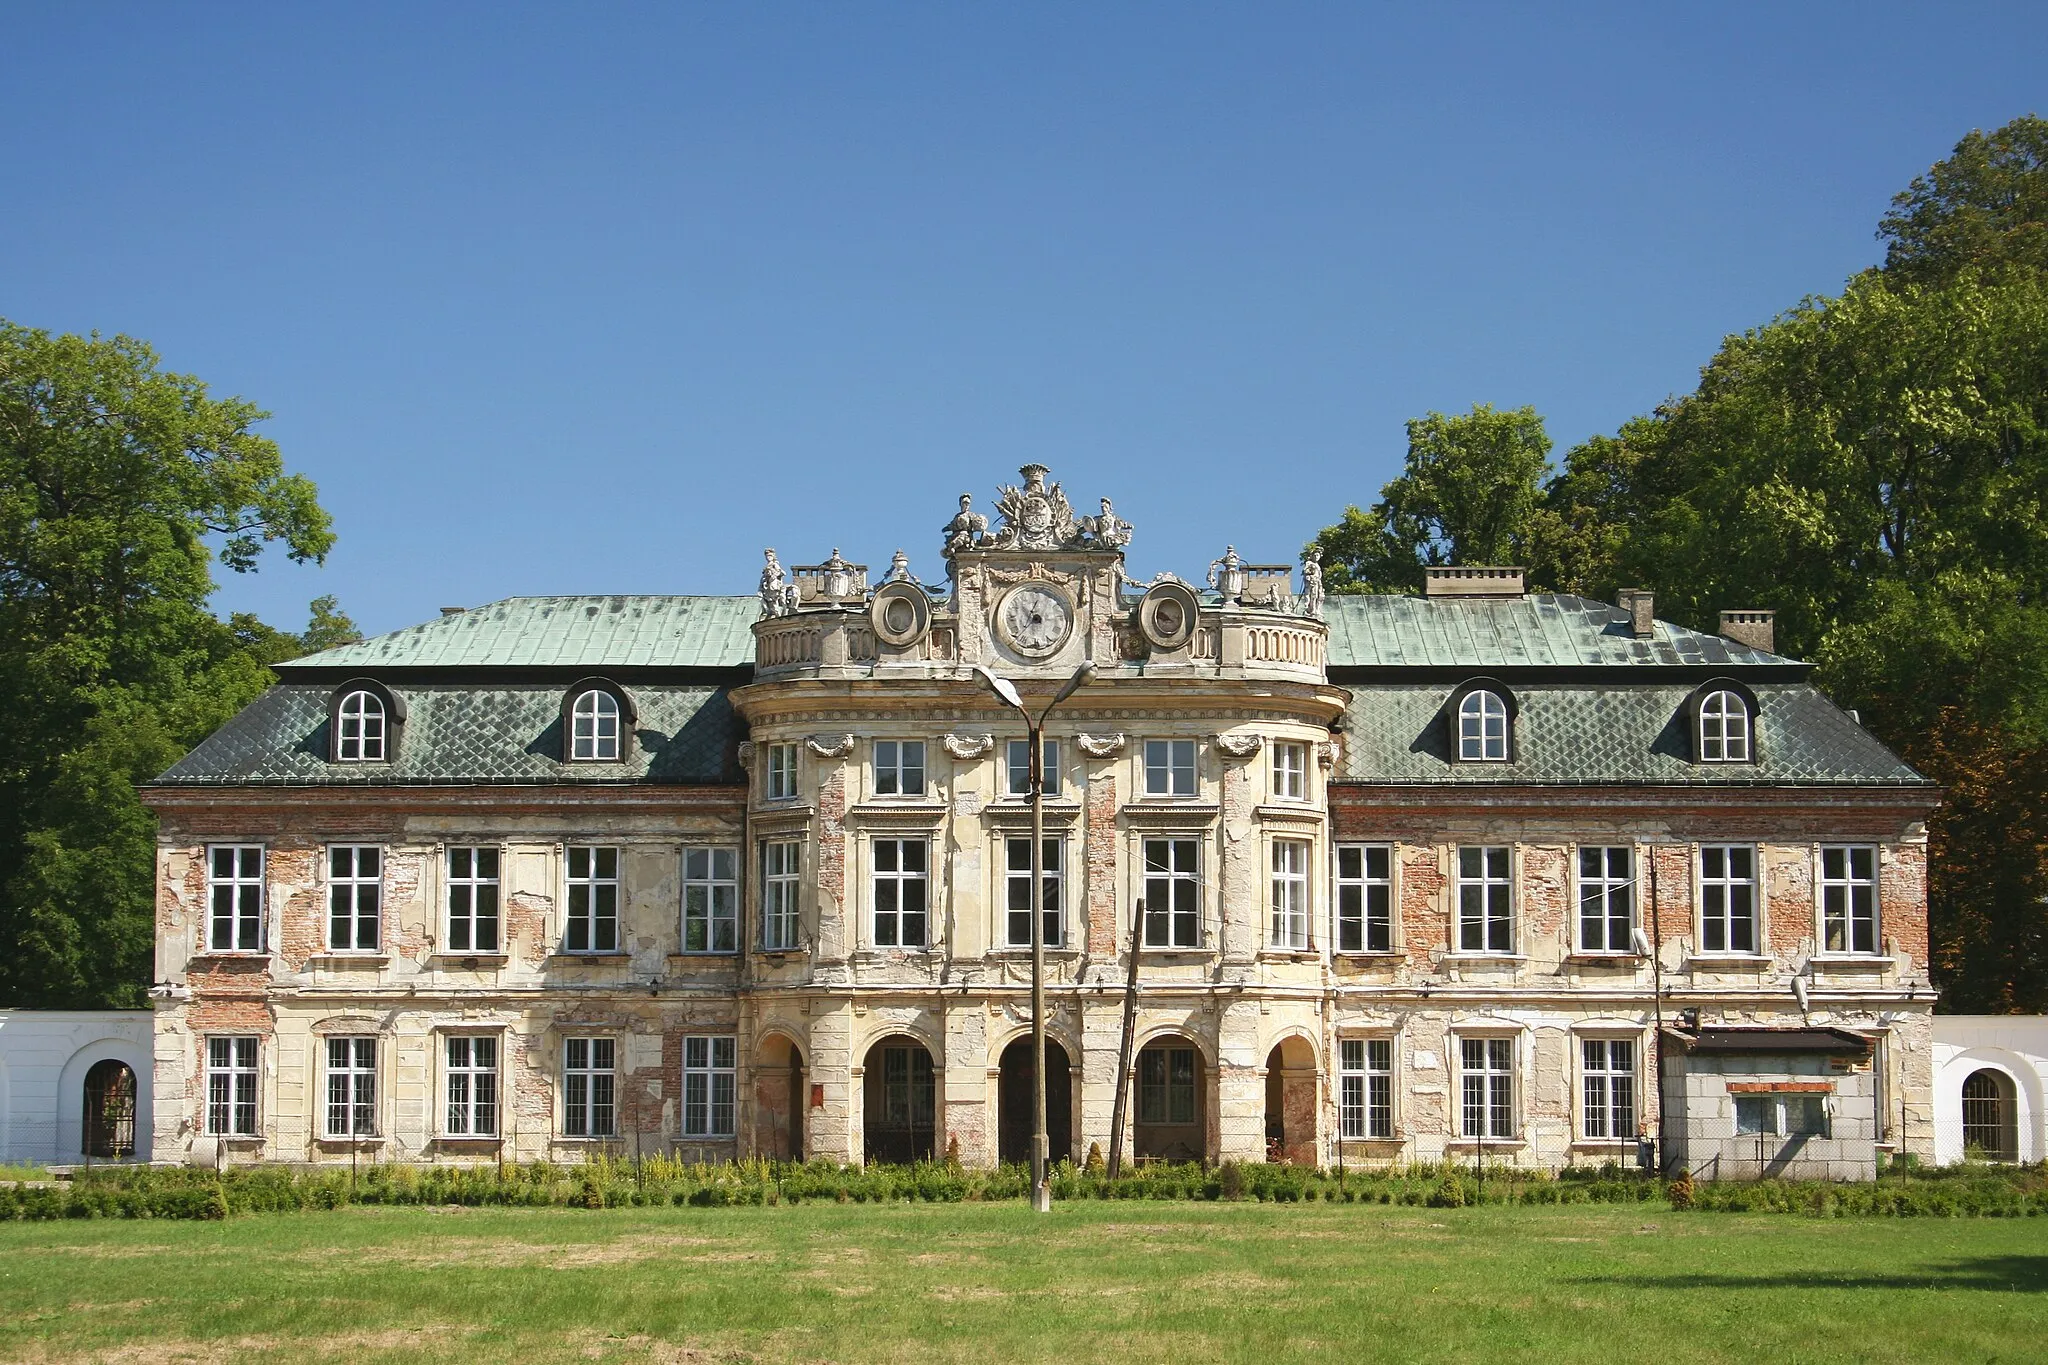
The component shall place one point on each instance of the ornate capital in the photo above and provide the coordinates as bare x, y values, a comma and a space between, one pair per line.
1100, 746
830, 746
1239, 746
746, 752
968, 746
1329, 751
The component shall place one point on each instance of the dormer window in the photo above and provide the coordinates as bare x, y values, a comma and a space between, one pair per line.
1723, 726
594, 728
1482, 727
359, 729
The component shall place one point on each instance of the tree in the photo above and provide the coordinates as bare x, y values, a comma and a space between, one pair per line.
1987, 205
119, 485
1471, 493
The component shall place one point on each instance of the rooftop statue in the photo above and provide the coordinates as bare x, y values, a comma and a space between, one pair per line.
778, 594
1034, 517
1312, 581
967, 530
1106, 532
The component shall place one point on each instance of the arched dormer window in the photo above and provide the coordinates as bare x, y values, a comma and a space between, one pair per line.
1723, 723
597, 720
1482, 723
364, 721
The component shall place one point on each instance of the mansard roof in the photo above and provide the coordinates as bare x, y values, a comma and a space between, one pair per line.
591, 634
1540, 630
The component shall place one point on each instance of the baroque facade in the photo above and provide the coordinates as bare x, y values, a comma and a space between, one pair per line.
1479, 874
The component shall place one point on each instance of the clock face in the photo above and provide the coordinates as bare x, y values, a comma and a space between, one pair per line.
1035, 619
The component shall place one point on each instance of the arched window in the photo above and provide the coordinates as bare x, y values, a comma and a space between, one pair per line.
594, 733
110, 1110
359, 728
1482, 728
1990, 1117
1724, 728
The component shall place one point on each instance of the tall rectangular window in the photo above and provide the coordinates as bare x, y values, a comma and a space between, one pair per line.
355, 881
1609, 1076
901, 886
1365, 1099
1727, 898
1173, 893
234, 894
1289, 927
1017, 879
1487, 1078
1166, 1085
781, 875
231, 1087
472, 1086
1169, 767
1290, 771
1365, 898
1486, 901
1606, 899
899, 767
781, 772
711, 900
472, 899
351, 1087
1848, 899
710, 1087
593, 925
1017, 764
589, 1086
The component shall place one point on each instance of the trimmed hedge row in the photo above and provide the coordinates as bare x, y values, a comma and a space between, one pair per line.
177, 1192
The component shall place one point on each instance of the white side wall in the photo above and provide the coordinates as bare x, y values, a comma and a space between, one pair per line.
2016, 1044
44, 1055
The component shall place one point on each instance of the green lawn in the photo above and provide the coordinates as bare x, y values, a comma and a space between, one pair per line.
1122, 1281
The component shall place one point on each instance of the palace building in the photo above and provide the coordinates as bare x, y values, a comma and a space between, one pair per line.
1481, 874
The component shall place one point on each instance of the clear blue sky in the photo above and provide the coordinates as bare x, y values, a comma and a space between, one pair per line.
605, 299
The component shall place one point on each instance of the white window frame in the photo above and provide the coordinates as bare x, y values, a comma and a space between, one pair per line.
471, 1084
899, 768
593, 889
711, 897
782, 866
360, 728
1495, 936
595, 727
233, 1084
1017, 890
1365, 1096
1849, 904
1167, 776
781, 772
470, 889
1494, 1089
349, 888
1602, 887
1717, 897
1017, 768
351, 1077
1289, 916
1725, 728
1775, 1108
1608, 1093
1482, 726
246, 901
1173, 883
1290, 770
898, 880
710, 1085
590, 1087
1355, 897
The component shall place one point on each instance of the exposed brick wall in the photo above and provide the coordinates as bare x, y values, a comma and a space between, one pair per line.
1100, 866
834, 936
1546, 895
1670, 914
1902, 899
293, 875
1789, 918
1425, 904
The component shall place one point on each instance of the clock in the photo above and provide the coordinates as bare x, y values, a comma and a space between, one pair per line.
1035, 619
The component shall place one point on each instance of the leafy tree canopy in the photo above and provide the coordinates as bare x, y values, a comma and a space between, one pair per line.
1987, 205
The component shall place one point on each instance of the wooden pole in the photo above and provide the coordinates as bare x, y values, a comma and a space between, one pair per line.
1123, 1052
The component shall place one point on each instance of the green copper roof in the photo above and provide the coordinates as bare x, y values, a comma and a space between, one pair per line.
595, 633
1542, 630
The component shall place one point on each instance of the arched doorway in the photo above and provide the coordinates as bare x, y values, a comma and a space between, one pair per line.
1991, 1127
779, 1100
1014, 1105
899, 1097
110, 1110
1170, 1120
1291, 1103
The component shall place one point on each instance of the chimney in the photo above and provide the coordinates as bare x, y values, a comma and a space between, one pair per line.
1757, 629
453, 611
1457, 581
1641, 606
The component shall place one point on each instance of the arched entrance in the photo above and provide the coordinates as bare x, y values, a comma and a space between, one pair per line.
1014, 1103
1171, 1123
779, 1100
110, 1110
899, 1098
1291, 1103
1991, 1126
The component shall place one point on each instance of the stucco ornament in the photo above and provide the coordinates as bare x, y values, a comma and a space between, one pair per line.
778, 594
1312, 581
1035, 619
1100, 746
1239, 746
746, 752
1036, 516
968, 746
830, 746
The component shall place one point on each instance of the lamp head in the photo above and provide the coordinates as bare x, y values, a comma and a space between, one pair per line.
1002, 687
1083, 675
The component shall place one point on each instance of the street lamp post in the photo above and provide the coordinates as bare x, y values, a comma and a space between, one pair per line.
1034, 730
